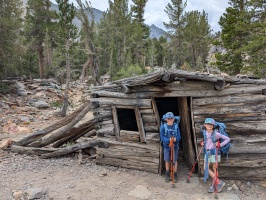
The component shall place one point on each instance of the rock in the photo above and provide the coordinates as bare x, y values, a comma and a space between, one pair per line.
235, 187
140, 192
18, 194
35, 193
6, 143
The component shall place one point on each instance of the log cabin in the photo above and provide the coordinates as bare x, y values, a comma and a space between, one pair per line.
129, 113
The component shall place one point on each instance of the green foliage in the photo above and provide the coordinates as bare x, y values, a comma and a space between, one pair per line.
190, 34
130, 71
243, 35
56, 104
7, 88
11, 49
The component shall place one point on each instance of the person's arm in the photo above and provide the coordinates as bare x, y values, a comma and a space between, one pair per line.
226, 139
178, 137
162, 137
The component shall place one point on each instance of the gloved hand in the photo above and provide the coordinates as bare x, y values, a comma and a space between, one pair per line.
217, 144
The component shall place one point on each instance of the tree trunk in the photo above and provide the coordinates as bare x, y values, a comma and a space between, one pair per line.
64, 110
84, 73
41, 65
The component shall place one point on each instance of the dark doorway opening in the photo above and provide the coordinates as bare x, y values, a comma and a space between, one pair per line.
169, 104
164, 105
127, 119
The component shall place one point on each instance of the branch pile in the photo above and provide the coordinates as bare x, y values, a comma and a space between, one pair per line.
48, 142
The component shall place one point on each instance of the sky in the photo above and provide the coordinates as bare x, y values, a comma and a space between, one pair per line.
155, 14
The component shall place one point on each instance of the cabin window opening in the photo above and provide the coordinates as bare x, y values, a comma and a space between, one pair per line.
127, 119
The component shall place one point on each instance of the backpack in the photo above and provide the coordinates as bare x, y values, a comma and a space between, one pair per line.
221, 128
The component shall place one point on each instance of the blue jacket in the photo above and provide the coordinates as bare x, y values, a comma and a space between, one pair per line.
166, 132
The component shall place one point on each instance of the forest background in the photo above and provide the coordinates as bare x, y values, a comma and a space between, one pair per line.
41, 43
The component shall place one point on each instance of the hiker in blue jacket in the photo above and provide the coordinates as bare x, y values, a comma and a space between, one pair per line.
168, 130
210, 153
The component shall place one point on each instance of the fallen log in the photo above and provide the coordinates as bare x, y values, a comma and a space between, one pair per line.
38, 134
61, 133
31, 150
73, 137
75, 147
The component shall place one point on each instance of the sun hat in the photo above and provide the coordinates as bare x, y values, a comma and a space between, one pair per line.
209, 121
169, 115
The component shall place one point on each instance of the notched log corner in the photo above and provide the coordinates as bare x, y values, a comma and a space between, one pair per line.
263, 91
219, 84
125, 89
95, 104
102, 144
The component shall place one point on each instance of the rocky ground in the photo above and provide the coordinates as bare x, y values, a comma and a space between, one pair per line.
71, 177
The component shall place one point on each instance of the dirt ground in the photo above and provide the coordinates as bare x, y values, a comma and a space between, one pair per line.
65, 178
68, 178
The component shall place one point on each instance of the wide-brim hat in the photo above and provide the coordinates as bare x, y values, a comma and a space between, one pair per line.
169, 115
209, 121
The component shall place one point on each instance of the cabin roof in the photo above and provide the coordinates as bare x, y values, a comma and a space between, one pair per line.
163, 75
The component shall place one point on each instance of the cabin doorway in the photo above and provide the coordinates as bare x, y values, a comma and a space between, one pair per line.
180, 106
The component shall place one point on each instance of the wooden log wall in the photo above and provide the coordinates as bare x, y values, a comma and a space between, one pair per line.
129, 155
129, 149
243, 109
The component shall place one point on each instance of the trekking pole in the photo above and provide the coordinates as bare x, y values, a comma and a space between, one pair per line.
216, 172
193, 167
172, 166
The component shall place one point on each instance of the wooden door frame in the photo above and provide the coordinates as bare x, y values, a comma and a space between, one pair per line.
186, 125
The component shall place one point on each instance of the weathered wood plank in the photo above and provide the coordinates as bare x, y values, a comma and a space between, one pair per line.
127, 136
151, 128
116, 122
144, 103
230, 118
32, 150
146, 111
144, 166
156, 112
230, 108
105, 131
149, 119
140, 125
229, 99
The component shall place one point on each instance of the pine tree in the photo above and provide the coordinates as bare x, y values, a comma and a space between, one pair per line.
38, 22
175, 11
234, 36
68, 34
115, 36
10, 38
189, 33
196, 37
255, 48
140, 31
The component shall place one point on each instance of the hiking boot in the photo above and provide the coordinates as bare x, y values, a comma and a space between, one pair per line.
220, 186
167, 176
211, 189
175, 177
